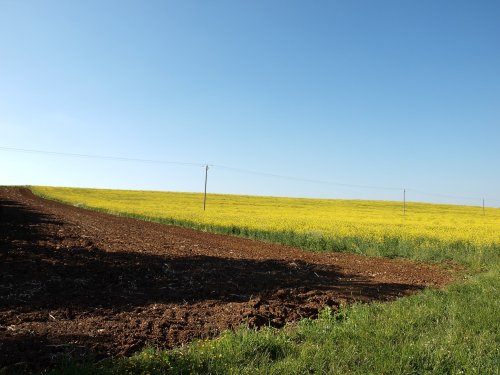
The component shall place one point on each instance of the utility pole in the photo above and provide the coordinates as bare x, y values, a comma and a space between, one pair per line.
205, 197
483, 207
404, 202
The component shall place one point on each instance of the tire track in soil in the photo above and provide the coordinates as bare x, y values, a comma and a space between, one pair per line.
75, 283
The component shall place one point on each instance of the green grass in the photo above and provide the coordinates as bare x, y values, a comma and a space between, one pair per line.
455, 330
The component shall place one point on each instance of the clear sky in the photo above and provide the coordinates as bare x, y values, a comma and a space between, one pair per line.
376, 93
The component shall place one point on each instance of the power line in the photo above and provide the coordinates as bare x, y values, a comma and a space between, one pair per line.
115, 158
265, 174
443, 195
284, 177
233, 169
103, 157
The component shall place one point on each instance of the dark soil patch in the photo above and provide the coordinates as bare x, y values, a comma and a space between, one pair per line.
75, 283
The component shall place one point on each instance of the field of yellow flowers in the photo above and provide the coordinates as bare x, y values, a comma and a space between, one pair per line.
426, 232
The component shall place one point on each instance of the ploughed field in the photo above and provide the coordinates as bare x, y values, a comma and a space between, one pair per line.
75, 282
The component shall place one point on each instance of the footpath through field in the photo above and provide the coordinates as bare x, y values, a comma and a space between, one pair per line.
75, 282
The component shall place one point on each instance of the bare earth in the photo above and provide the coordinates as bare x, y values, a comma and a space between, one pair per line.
75, 282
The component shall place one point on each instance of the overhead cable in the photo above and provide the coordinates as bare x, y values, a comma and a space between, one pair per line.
303, 179
104, 157
233, 169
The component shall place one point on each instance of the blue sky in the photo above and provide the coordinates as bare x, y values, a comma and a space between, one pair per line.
376, 93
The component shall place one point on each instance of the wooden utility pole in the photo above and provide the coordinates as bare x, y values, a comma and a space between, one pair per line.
483, 207
205, 197
404, 201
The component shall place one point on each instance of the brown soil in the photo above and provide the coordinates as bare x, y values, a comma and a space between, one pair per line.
75, 283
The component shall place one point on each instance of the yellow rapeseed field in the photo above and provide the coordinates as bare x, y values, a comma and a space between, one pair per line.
359, 221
